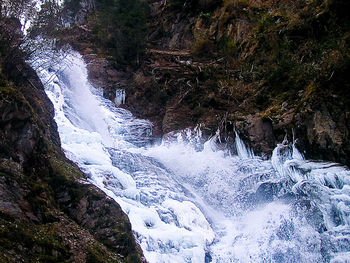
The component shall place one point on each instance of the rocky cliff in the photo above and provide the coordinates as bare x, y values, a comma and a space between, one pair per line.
267, 68
48, 211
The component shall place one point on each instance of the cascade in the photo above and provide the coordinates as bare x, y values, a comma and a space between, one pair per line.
242, 150
200, 204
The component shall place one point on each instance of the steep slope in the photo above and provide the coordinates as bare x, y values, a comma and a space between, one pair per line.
48, 211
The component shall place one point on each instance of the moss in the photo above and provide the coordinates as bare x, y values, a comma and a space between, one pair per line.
7, 90
5, 259
61, 167
14, 98
310, 90
228, 47
98, 254
271, 112
37, 243
10, 93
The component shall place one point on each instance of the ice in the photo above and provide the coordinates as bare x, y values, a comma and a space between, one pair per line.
242, 150
190, 201
90, 127
191, 218
265, 235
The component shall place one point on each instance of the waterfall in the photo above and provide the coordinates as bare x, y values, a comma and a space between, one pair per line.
200, 204
242, 150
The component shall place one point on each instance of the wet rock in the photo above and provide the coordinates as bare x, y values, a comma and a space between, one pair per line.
259, 133
323, 134
176, 118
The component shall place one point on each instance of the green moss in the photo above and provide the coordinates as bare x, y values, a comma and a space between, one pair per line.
9, 92
98, 254
61, 167
311, 97
5, 259
228, 47
5, 86
36, 243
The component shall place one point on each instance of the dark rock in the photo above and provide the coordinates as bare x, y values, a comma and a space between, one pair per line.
176, 118
259, 133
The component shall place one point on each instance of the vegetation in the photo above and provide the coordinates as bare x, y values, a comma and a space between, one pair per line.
39, 243
283, 47
120, 28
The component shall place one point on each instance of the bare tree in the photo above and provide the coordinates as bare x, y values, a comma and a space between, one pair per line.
17, 8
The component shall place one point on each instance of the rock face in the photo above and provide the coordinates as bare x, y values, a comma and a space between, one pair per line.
265, 68
48, 212
259, 131
244, 65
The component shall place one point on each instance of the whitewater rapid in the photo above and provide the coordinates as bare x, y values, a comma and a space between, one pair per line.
191, 202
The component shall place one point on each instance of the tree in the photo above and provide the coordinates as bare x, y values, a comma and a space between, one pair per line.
17, 8
121, 28
13, 43
48, 19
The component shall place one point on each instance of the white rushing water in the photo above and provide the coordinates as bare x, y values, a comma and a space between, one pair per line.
189, 202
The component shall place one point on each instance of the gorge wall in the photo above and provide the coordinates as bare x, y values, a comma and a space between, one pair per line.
269, 68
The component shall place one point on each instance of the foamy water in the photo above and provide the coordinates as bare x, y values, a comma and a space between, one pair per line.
189, 202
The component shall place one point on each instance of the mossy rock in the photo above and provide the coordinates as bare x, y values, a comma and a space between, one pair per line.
36, 243
98, 254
